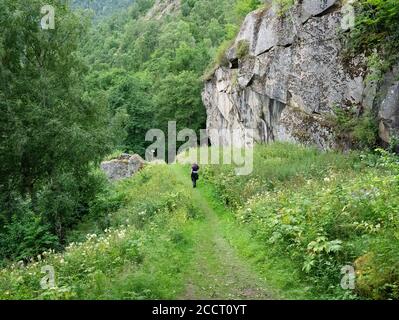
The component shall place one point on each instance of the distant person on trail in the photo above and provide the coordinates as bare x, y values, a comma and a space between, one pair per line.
194, 174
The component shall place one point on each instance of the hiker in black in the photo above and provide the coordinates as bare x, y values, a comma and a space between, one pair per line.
194, 174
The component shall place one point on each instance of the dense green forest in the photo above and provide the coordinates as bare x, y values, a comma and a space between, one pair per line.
102, 8
74, 94
53, 130
151, 69
94, 86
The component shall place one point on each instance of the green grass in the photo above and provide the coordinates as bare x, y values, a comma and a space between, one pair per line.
143, 254
216, 271
275, 165
278, 272
308, 214
283, 232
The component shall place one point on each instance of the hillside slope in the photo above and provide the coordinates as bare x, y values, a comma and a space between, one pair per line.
103, 8
147, 62
284, 232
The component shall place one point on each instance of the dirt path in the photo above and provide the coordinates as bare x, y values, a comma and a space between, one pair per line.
217, 272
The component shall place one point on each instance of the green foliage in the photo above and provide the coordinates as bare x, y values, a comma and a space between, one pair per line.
221, 58
150, 70
143, 253
361, 131
60, 118
242, 49
102, 8
52, 129
394, 144
243, 7
137, 62
272, 164
284, 5
139, 7
365, 131
179, 99
376, 68
320, 217
302, 214
130, 99
25, 236
377, 25
376, 32
306, 212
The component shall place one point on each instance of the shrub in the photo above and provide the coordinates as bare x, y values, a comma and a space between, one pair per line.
365, 131
221, 58
361, 131
377, 26
322, 212
141, 256
284, 6
243, 7
242, 49
26, 236
376, 33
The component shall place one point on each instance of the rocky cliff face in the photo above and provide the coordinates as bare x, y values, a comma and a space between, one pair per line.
285, 75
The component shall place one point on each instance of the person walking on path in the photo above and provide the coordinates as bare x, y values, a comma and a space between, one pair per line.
194, 174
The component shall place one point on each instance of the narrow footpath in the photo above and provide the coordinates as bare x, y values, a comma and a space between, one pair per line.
217, 272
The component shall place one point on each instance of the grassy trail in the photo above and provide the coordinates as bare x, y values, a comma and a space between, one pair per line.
166, 240
216, 271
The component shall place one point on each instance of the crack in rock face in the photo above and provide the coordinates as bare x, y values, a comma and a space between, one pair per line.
291, 80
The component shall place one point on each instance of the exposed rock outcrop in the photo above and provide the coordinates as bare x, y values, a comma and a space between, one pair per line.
123, 167
292, 76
